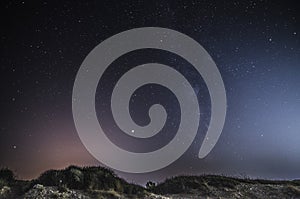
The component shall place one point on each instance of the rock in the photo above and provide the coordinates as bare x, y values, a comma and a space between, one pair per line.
5, 192
40, 192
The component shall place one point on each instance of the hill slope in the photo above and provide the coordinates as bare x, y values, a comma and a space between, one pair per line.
98, 182
226, 187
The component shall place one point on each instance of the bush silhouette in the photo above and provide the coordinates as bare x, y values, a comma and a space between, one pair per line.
150, 185
88, 178
7, 175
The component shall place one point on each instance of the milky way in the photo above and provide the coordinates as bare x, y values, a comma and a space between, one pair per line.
255, 45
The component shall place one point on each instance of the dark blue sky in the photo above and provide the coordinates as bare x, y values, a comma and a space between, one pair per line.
255, 44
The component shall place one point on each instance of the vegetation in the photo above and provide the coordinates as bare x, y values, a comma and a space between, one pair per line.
6, 175
150, 186
100, 182
88, 178
10, 186
227, 187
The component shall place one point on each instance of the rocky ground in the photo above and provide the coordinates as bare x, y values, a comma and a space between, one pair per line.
247, 191
243, 190
39, 192
96, 182
226, 187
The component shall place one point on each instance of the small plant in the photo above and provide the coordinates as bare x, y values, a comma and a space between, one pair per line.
150, 185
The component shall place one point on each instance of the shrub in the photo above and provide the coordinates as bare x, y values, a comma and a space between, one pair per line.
150, 185
7, 175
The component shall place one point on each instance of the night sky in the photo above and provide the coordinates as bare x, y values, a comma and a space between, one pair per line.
255, 45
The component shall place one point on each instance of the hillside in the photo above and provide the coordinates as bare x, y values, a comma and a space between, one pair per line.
210, 186
98, 182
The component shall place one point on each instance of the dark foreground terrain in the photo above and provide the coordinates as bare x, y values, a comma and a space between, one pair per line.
98, 182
